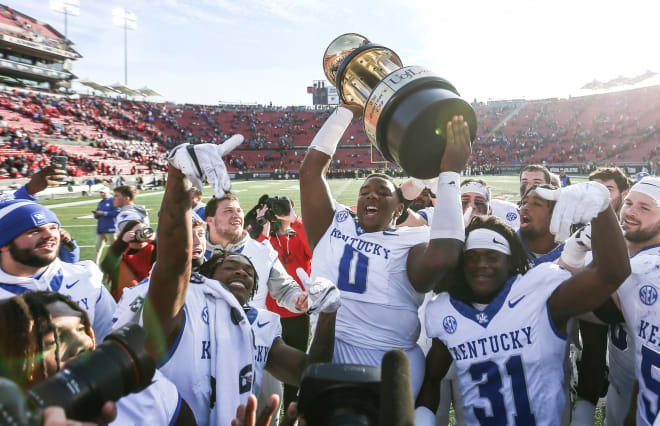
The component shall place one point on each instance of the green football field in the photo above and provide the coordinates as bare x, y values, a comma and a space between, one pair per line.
75, 213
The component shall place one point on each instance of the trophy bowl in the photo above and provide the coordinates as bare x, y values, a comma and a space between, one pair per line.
406, 109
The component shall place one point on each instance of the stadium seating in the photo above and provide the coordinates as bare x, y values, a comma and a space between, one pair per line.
609, 128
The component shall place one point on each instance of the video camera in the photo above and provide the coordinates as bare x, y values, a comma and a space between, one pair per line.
118, 366
344, 394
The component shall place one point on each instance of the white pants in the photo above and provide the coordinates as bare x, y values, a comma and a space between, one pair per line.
618, 403
450, 393
349, 354
269, 386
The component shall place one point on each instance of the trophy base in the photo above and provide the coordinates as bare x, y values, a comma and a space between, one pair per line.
415, 133
406, 118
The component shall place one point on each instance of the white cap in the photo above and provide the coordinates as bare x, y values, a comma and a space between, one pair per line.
649, 185
104, 189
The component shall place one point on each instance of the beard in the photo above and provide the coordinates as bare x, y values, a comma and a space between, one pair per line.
642, 235
28, 258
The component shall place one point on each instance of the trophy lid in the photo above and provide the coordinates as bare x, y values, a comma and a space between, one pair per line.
338, 50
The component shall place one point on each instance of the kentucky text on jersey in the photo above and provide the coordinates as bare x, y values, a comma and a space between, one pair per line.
361, 245
486, 346
649, 332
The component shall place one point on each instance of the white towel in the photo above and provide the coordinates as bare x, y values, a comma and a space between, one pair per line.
232, 349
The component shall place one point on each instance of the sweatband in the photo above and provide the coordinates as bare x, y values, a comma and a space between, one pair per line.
584, 413
18, 216
329, 135
424, 417
477, 188
483, 238
447, 221
649, 186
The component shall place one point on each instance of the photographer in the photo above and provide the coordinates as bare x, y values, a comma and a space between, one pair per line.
45, 332
286, 234
130, 257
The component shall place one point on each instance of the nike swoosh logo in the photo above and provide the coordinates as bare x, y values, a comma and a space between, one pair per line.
260, 324
512, 304
72, 284
498, 242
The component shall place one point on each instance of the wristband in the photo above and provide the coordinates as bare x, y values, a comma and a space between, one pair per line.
424, 416
329, 135
447, 219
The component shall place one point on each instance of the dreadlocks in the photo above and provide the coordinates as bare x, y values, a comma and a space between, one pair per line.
218, 258
26, 321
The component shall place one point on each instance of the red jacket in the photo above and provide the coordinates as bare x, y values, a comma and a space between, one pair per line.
294, 253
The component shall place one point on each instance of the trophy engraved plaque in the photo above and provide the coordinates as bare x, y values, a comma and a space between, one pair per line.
406, 109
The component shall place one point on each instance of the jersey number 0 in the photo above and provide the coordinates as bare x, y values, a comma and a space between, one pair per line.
353, 272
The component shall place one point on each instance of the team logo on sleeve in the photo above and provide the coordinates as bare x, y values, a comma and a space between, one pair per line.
342, 215
245, 379
648, 295
450, 324
205, 315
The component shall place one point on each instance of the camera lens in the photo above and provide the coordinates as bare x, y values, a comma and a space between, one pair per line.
119, 366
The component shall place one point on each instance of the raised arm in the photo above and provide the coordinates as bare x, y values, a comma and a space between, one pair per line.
429, 262
317, 207
589, 287
169, 280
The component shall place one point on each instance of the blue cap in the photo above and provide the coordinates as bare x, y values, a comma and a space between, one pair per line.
18, 216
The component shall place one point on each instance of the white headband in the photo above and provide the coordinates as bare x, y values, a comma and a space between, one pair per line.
477, 188
483, 238
650, 186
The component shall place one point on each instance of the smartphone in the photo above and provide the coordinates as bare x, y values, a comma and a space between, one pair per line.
59, 161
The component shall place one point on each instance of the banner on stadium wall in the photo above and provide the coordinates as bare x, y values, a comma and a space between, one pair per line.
38, 46
333, 96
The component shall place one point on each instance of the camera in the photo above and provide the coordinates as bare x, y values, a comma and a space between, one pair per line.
340, 394
143, 234
117, 367
277, 206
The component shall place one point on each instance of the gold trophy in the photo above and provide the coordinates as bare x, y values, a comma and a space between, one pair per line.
406, 109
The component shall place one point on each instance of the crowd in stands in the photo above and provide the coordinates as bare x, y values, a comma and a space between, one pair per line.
19, 26
610, 128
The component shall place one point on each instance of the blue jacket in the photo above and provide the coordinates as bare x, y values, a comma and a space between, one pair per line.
107, 223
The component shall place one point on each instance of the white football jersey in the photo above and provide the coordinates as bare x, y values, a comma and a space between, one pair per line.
621, 358
188, 362
81, 282
507, 211
379, 305
641, 310
509, 356
158, 404
267, 329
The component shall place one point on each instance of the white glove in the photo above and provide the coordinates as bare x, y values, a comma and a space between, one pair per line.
323, 294
202, 161
578, 203
576, 247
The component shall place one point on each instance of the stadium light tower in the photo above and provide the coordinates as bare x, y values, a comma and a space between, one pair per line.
127, 20
66, 7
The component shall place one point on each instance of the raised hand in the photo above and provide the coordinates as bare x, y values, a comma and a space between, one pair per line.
459, 146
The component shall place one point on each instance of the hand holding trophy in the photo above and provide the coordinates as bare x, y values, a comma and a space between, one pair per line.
406, 109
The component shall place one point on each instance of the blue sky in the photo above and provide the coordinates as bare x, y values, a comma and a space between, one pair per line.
263, 51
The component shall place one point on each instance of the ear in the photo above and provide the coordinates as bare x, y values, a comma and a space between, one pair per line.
624, 193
